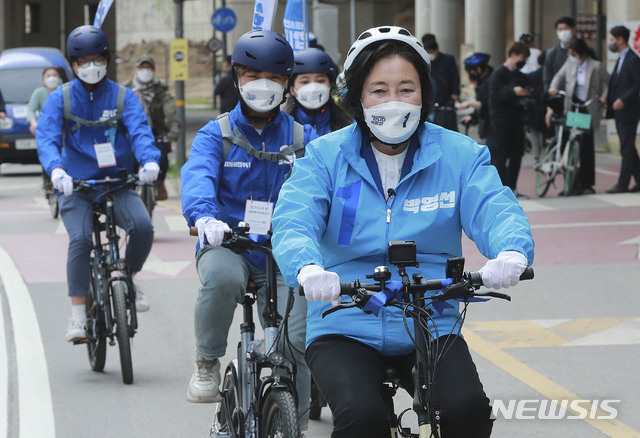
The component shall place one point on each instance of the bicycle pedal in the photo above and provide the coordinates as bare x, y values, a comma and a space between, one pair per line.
81, 341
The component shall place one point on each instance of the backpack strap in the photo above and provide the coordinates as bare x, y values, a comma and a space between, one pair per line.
238, 139
112, 121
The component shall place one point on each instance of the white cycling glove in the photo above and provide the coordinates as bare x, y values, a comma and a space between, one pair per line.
149, 172
211, 229
504, 270
320, 285
61, 181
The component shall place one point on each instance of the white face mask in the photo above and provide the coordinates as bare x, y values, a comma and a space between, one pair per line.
92, 73
145, 75
392, 122
313, 95
432, 56
52, 82
564, 35
262, 95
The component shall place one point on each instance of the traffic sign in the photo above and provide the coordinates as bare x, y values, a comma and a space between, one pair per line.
214, 45
224, 19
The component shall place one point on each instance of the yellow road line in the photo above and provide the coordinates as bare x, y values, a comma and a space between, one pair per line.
542, 384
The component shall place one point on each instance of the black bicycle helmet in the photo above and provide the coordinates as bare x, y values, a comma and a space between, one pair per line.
87, 41
264, 50
314, 60
526, 38
476, 59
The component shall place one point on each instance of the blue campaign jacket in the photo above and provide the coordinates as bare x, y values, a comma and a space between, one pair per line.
212, 189
77, 156
332, 212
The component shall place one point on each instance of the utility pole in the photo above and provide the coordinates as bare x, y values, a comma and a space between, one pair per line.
181, 156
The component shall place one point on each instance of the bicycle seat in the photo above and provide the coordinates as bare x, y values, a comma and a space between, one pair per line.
252, 288
391, 375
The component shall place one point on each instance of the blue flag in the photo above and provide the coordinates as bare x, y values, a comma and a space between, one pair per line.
296, 24
101, 12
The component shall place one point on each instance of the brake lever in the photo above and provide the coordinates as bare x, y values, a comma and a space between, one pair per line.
340, 306
358, 299
493, 294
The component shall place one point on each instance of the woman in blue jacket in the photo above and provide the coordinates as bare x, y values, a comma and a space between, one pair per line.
311, 88
391, 176
79, 145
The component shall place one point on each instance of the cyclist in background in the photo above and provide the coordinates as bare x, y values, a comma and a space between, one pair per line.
50, 81
310, 93
391, 176
477, 67
159, 105
72, 148
219, 186
572, 78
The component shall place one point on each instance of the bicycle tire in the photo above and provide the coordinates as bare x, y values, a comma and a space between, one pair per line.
230, 406
148, 196
544, 178
573, 167
119, 296
97, 340
54, 207
279, 415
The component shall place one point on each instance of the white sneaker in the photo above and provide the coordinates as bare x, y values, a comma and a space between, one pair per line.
204, 384
76, 331
142, 305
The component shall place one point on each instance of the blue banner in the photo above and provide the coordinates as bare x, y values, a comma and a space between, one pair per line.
296, 24
101, 12
263, 14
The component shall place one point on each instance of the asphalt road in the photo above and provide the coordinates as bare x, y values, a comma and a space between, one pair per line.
571, 334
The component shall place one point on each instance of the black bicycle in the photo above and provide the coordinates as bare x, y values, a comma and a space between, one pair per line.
259, 399
111, 301
409, 295
149, 196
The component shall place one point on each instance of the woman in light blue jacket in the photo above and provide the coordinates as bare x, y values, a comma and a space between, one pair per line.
391, 176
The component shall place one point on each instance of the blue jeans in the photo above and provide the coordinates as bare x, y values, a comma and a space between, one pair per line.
224, 276
77, 214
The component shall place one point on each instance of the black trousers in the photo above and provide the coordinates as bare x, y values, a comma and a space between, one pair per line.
507, 151
350, 374
630, 165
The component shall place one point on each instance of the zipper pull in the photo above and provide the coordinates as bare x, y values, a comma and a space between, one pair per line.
388, 215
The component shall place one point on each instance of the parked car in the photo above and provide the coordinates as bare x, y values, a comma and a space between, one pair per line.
21, 73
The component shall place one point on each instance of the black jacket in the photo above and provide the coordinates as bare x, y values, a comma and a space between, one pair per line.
228, 93
504, 105
626, 86
445, 73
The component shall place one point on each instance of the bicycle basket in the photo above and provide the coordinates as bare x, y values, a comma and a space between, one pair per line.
578, 120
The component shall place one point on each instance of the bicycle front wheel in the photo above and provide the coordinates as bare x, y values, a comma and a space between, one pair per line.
545, 173
279, 415
97, 342
573, 168
119, 294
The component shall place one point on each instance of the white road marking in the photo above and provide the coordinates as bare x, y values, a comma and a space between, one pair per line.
548, 323
627, 333
632, 241
4, 377
529, 206
156, 265
619, 199
177, 223
34, 392
586, 224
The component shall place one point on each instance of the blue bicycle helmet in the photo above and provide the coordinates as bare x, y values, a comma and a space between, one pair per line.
476, 58
86, 41
314, 60
264, 50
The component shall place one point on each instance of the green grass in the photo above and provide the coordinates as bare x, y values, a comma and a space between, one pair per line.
174, 171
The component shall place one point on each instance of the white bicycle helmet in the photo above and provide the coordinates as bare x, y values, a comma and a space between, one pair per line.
385, 33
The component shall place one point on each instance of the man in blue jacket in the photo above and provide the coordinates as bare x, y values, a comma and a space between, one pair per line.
83, 134
220, 183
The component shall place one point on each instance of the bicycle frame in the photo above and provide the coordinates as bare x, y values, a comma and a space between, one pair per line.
255, 355
457, 285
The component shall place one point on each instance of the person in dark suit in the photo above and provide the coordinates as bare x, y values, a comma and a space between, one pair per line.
623, 104
508, 88
226, 89
444, 72
557, 55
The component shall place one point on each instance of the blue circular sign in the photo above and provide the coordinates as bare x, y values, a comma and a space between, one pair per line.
224, 19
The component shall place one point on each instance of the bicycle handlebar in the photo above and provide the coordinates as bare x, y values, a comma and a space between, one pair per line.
124, 180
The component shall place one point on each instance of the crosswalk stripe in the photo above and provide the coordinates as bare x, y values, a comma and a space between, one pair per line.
34, 392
